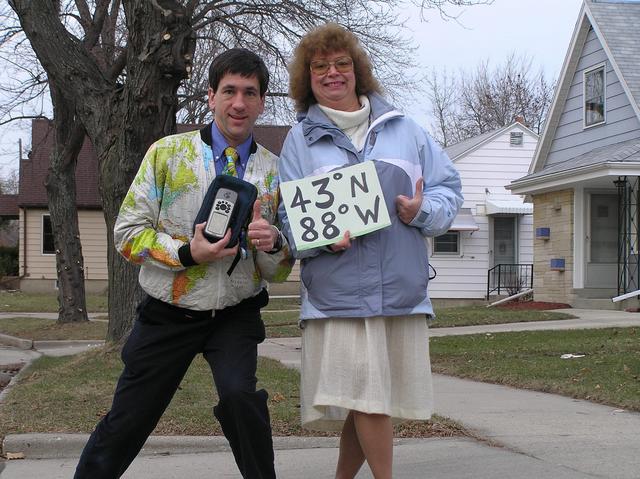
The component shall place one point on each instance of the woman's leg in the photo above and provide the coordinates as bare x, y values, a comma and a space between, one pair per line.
375, 435
351, 457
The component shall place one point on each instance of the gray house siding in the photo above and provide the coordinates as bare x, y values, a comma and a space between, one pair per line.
571, 138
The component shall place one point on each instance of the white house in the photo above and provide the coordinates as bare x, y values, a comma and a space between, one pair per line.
494, 226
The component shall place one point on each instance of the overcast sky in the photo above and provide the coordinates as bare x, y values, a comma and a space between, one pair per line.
540, 29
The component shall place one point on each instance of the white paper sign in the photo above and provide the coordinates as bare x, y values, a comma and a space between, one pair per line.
321, 208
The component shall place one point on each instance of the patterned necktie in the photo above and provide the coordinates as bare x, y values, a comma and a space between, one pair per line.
231, 155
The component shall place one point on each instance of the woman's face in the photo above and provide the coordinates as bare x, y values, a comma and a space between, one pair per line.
335, 88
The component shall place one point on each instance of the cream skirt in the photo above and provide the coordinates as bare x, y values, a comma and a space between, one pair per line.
374, 365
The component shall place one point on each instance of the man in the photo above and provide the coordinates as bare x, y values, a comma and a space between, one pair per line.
193, 305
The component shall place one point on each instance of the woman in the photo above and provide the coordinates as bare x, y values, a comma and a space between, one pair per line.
365, 350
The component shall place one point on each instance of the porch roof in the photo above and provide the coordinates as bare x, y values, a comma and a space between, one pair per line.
625, 154
513, 206
464, 221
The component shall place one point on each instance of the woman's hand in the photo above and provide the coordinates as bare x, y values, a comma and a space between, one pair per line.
343, 244
408, 207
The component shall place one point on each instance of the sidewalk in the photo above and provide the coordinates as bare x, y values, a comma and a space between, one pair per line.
542, 435
589, 439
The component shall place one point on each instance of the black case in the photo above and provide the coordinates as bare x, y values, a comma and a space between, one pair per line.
243, 211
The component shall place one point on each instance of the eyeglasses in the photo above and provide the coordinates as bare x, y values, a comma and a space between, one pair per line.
341, 64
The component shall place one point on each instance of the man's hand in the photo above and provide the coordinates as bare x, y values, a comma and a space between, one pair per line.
261, 233
343, 244
408, 207
202, 251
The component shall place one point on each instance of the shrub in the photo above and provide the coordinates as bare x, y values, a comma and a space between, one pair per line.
8, 261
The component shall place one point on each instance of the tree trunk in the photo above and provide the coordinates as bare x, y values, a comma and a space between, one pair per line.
160, 46
61, 193
122, 120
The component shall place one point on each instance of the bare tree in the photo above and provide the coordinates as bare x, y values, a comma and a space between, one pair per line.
61, 194
69, 134
8, 231
9, 184
121, 115
125, 93
487, 99
442, 91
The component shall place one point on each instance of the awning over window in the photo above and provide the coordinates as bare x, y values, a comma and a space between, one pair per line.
515, 206
464, 221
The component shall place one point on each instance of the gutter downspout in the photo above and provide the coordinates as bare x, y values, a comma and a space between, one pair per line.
24, 244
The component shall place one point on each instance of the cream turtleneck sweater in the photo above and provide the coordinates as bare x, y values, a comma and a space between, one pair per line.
354, 124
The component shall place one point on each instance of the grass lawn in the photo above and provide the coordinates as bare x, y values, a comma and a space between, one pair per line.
283, 304
281, 320
47, 329
70, 394
609, 373
479, 315
96, 303
280, 315
285, 324
45, 302
281, 325
278, 325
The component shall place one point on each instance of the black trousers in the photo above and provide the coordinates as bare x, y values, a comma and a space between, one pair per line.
163, 342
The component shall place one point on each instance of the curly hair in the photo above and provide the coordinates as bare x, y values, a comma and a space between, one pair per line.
327, 39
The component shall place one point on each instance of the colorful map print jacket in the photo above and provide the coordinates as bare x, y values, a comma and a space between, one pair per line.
156, 219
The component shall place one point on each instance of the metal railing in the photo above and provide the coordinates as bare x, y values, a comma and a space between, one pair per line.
509, 279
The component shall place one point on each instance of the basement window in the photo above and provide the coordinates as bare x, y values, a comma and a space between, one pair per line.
447, 244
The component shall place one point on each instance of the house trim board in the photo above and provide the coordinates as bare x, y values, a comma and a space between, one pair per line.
579, 222
569, 65
580, 174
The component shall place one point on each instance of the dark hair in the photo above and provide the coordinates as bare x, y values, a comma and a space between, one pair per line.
326, 39
238, 61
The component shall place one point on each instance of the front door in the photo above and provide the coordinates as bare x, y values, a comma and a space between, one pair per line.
602, 241
504, 251
504, 240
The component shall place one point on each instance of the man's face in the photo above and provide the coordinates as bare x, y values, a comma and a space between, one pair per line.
236, 106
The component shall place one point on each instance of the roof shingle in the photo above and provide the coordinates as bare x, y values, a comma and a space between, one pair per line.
619, 23
33, 171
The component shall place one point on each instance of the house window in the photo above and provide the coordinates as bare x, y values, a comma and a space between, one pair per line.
516, 138
47, 236
594, 96
448, 243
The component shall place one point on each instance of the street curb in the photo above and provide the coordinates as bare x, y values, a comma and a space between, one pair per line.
54, 446
14, 379
47, 344
57, 446
67, 343
16, 342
